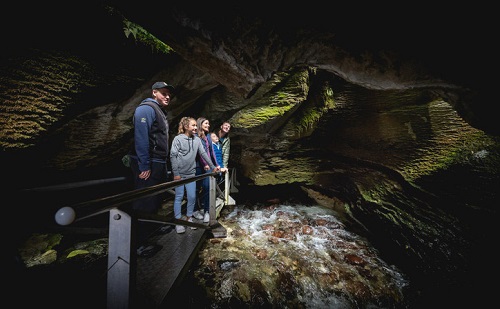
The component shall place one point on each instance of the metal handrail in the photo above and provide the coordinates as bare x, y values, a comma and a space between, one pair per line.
122, 259
68, 214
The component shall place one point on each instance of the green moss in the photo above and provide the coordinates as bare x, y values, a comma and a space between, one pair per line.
76, 253
139, 33
462, 149
304, 121
256, 116
37, 91
38, 249
277, 98
143, 36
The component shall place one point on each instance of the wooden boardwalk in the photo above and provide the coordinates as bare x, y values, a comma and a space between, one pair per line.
157, 275
140, 282
145, 282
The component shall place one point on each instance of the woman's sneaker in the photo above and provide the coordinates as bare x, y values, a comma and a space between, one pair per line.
180, 229
206, 217
192, 221
198, 215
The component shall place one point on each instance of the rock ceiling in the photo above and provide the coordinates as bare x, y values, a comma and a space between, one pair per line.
74, 79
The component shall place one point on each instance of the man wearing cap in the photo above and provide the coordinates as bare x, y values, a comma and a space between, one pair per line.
148, 156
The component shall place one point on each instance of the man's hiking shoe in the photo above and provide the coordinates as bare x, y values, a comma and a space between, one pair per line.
148, 250
206, 217
180, 229
167, 228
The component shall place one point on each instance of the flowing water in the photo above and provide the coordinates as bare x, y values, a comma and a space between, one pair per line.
292, 256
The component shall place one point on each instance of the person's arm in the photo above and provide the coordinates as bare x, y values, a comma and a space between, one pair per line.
212, 155
203, 162
143, 119
226, 147
203, 154
174, 161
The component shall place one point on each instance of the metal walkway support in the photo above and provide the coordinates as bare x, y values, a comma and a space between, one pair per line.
120, 259
218, 231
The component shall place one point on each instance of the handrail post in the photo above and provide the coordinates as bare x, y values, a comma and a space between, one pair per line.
217, 230
121, 260
212, 200
226, 188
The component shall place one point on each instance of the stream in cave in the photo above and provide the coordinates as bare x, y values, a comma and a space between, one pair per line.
290, 256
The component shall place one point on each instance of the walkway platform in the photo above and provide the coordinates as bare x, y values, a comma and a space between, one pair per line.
157, 275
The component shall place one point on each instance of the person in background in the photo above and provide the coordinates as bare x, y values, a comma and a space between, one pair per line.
225, 141
185, 149
148, 157
217, 147
203, 186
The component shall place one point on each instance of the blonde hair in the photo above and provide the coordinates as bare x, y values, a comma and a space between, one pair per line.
184, 124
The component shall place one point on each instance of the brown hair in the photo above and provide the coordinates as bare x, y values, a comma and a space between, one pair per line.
201, 132
219, 131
